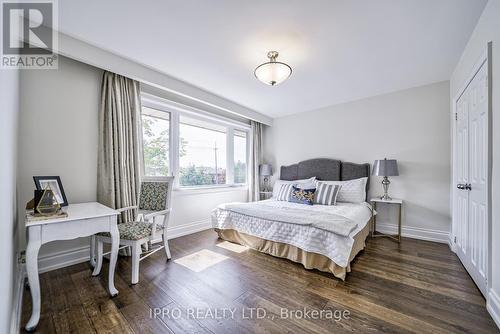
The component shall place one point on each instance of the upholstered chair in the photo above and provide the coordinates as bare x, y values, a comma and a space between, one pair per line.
150, 223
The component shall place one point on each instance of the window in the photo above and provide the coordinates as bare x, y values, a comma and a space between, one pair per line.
199, 149
240, 157
202, 153
155, 138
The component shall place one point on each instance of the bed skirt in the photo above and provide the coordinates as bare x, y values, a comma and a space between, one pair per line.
308, 259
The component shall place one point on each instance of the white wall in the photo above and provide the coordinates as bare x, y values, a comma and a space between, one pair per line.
411, 126
165, 94
59, 136
487, 29
9, 110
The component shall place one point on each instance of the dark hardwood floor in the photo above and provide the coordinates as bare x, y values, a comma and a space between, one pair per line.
417, 286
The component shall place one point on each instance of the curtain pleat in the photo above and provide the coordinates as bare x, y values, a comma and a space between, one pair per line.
256, 156
119, 132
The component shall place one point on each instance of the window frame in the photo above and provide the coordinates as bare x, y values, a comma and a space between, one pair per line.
175, 110
142, 163
247, 155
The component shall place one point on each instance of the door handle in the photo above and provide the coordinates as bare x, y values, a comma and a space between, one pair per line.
468, 186
461, 186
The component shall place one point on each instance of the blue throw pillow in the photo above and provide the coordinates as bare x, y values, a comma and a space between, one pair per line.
302, 196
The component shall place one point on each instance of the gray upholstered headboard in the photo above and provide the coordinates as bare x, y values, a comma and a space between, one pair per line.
326, 170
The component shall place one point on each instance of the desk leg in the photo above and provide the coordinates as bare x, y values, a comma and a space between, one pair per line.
399, 223
371, 222
92, 250
115, 240
34, 243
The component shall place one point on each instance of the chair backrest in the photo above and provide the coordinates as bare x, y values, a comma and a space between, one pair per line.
156, 193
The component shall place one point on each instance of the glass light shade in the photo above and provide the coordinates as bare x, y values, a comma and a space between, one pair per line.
273, 72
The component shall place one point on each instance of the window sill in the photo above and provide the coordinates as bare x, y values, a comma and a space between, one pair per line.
209, 189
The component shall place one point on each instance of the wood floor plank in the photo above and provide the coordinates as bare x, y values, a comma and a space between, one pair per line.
181, 322
191, 293
446, 281
412, 287
401, 256
139, 317
410, 299
69, 314
387, 295
100, 309
435, 287
394, 317
255, 301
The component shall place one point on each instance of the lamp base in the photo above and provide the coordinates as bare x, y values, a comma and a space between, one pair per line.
385, 184
265, 188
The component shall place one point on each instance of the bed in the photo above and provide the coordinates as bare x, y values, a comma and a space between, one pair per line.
283, 229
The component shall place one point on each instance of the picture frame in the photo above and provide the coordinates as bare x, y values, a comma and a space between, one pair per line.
55, 184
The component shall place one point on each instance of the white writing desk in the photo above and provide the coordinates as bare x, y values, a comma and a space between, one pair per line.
83, 220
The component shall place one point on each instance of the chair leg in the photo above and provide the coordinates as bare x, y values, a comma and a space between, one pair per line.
165, 244
98, 256
136, 257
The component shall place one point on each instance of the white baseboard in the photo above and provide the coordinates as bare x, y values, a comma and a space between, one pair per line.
416, 232
451, 243
17, 299
65, 258
493, 306
181, 230
80, 254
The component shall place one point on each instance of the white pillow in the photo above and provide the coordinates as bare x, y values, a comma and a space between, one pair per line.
353, 191
278, 183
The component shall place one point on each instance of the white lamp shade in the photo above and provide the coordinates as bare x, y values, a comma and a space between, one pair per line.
273, 73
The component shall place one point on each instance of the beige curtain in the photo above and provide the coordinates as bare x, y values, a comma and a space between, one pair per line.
119, 130
256, 155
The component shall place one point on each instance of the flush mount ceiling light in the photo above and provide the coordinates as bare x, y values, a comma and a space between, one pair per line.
272, 72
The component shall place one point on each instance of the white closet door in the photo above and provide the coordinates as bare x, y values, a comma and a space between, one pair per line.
478, 177
462, 178
470, 216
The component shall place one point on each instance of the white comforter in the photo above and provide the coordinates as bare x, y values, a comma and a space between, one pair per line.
305, 236
300, 215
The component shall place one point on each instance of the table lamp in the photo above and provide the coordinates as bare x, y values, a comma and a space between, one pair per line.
385, 168
266, 170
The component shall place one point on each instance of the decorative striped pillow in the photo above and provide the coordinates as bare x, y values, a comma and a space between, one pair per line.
326, 194
284, 192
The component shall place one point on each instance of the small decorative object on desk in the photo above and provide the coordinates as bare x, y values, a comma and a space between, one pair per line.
385, 168
48, 204
55, 184
33, 217
31, 205
44, 206
266, 170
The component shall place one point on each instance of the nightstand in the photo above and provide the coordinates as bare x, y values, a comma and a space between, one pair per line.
374, 202
265, 195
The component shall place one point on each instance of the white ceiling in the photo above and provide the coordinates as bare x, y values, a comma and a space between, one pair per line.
339, 50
